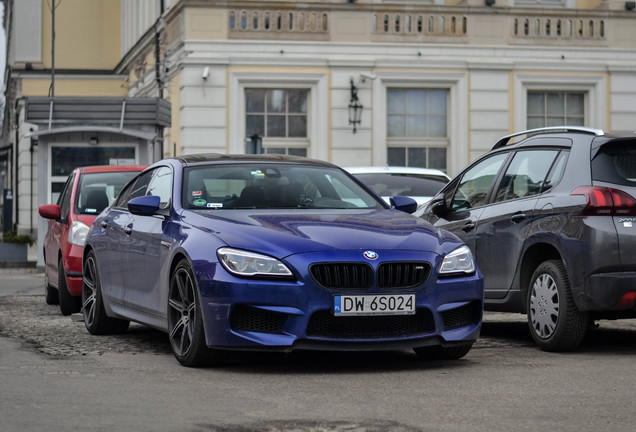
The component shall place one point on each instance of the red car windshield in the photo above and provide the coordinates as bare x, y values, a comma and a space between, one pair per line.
97, 190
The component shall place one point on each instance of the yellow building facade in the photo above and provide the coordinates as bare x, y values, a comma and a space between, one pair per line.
438, 81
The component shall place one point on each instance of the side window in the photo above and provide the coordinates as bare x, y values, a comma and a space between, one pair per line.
557, 171
64, 201
124, 195
476, 183
161, 185
141, 185
156, 182
526, 174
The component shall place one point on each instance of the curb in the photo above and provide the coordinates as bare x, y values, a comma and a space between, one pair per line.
17, 264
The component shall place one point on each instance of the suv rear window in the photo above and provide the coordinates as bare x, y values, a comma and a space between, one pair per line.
616, 163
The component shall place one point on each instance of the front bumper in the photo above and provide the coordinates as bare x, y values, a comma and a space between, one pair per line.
279, 315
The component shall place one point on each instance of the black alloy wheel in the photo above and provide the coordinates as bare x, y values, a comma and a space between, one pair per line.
185, 321
95, 318
554, 320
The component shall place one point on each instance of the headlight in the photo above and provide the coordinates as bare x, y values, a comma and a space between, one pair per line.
77, 234
458, 261
244, 263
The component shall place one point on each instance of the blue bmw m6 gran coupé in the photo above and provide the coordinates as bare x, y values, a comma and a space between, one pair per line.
268, 252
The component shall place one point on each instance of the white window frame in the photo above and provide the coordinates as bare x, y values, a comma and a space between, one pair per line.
594, 87
317, 106
569, 4
456, 83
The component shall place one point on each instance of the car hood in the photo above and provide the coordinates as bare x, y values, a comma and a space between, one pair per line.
87, 219
283, 233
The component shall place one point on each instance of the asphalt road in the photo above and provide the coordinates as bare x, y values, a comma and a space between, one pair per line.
54, 376
21, 282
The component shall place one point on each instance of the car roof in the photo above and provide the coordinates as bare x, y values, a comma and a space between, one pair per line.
111, 168
207, 158
508, 139
395, 170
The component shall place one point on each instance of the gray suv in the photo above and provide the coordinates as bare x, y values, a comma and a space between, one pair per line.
550, 216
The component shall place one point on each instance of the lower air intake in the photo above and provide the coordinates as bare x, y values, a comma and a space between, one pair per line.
323, 324
469, 314
247, 318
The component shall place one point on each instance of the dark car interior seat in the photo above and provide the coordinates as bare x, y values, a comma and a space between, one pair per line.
96, 200
291, 195
251, 196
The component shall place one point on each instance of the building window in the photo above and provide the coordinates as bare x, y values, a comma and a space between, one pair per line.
279, 116
417, 127
555, 109
550, 2
291, 151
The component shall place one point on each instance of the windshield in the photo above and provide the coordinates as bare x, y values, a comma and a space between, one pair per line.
98, 190
392, 184
264, 186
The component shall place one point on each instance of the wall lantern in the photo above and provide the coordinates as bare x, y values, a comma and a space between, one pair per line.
355, 107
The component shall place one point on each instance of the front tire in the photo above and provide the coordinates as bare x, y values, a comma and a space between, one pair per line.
95, 318
555, 322
50, 293
443, 353
69, 304
185, 321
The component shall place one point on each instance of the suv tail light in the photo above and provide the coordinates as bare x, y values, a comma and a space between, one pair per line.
627, 300
604, 201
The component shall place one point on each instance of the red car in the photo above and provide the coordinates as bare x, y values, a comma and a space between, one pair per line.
88, 191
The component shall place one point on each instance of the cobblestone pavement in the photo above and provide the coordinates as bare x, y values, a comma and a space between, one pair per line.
29, 319
42, 326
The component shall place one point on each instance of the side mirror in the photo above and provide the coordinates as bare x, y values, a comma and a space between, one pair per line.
438, 207
144, 205
50, 211
402, 203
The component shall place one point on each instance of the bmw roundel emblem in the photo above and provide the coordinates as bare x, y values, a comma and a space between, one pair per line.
371, 255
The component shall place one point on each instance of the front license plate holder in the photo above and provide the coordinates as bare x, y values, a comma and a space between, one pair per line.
374, 304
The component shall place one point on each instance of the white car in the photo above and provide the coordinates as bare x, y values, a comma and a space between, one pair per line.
421, 184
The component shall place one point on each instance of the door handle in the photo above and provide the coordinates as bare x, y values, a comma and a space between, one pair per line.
103, 224
518, 217
468, 227
128, 229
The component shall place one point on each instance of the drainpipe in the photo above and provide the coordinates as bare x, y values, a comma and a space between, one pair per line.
34, 143
16, 201
53, 6
158, 30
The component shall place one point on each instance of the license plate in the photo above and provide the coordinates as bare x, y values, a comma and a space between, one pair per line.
384, 304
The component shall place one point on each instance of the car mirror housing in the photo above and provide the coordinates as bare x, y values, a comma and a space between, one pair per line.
145, 205
438, 207
50, 211
405, 204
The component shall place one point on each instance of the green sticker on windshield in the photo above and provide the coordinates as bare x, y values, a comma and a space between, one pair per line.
199, 202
